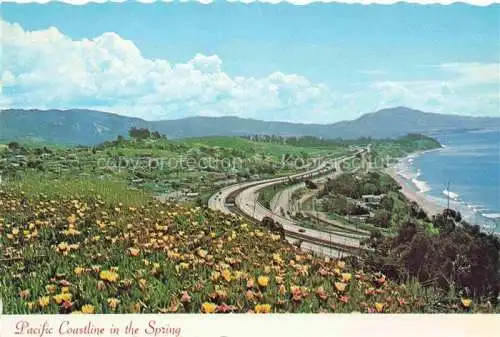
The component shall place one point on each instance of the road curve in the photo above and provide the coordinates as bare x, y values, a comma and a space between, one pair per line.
246, 201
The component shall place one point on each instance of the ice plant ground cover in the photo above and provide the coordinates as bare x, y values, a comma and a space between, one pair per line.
87, 255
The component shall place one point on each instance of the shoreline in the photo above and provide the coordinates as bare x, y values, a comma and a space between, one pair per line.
410, 190
429, 207
432, 207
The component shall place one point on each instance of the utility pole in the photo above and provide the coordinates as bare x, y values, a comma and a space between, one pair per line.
448, 194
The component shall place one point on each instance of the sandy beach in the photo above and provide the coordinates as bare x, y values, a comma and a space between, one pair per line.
431, 208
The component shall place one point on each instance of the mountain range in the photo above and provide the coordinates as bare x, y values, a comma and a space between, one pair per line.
87, 127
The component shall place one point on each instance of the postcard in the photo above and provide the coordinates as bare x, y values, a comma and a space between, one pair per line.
239, 168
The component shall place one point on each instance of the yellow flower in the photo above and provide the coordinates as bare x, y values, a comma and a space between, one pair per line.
215, 276
466, 302
379, 307
202, 253
113, 303
72, 219
341, 264
64, 290
88, 309
79, 270
208, 307
135, 308
108, 275
263, 308
50, 288
263, 281
340, 286
63, 246
346, 277
183, 265
59, 298
226, 274
43, 301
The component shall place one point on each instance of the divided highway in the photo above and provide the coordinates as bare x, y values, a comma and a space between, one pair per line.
246, 203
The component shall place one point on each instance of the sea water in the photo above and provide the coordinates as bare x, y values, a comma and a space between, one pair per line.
464, 173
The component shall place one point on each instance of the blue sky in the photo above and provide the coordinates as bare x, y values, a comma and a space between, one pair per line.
315, 63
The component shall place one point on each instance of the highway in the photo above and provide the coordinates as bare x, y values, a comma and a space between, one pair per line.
246, 203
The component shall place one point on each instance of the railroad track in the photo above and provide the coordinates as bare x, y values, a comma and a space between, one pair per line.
302, 236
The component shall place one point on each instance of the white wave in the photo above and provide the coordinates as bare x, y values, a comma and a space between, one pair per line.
487, 130
476, 207
451, 194
491, 215
422, 186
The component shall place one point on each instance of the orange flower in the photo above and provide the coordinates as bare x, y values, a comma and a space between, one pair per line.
296, 293
185, 298
250, 296
380, 279
321, 293
344, 298
133, 251
24, 294
250, 283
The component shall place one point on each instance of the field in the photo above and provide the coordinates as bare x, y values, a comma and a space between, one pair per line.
63, 255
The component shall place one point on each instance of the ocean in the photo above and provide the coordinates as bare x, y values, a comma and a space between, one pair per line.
465, 171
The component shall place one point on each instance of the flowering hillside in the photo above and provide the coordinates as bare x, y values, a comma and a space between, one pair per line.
90, 256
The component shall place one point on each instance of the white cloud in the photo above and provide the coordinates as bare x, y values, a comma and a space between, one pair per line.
294, 2
47, 69
474, 73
